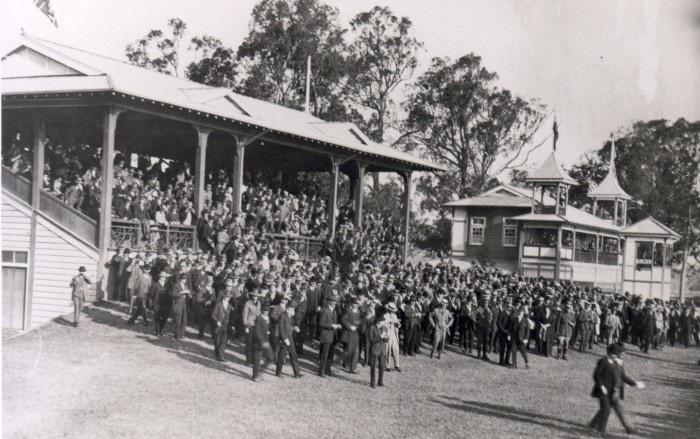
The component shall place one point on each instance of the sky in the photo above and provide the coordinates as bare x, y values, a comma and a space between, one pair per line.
599, 65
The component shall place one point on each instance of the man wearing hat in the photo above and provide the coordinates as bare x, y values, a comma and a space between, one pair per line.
203, 301
219, 319
141, 290
328, 323
115, 268
261, 341
350, 335
564, 326
483, 317
79, 284
179, 293
251, 310
583, 323
285, 333
393, 324
520, 330
441, 320
377, 351
161, 302
610, 379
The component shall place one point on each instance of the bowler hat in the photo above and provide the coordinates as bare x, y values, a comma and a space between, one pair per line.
82, 269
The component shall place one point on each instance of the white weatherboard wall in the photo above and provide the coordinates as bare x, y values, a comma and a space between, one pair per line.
57, 257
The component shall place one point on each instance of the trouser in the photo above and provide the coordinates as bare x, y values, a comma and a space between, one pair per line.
518, 347
374, 359
326, 358
504, 348
563, 345
646, 341
139, 311
220, 340
204, 317
672, 336
410, 339
313, 325
392, 351
249, 344
482, 341
300, 337
352, 353
180, 320
77, 308
453, 331
466, 334
132, 301
438, 341
600, 420
658, 336
282, 353
266, 352
493, 340
574, 335
160, 315
585, 334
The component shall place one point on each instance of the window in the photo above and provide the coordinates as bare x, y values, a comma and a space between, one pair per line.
644, 257
477, 231
510, 232
13, 257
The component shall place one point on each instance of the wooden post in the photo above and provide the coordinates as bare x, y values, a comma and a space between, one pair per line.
615, 213
238, 162
557, 268
534, 200
39, 128
333, 200
406, 212
358, 196
109, 127
200, 168
595, 207
556, 204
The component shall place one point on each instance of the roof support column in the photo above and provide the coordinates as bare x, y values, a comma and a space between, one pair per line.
39, 128
200, 167
333, 200
615, 212
237, 175
109, 128
407, 194
557, 268
558, 198
534, 200
358, 193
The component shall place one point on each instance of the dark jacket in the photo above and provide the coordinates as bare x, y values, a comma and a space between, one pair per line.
519, 331
611, 375
350, 319
261, 333
327, 318
285, 327
376, 342
220, 314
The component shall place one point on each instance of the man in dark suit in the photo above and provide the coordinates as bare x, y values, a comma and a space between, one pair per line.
328, 322
377, 351
161, 302
179, 294
219, 317
261, 341
350, 335
610, 377
504, 334
285, 333
520, 329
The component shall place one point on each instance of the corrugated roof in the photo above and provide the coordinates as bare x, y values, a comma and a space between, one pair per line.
552, 172
492, 201
650, 226
549, 218
125, 78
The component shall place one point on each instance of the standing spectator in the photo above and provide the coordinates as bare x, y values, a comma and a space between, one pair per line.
79, 284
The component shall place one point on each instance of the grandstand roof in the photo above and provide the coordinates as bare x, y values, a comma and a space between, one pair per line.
651, 227
40, 66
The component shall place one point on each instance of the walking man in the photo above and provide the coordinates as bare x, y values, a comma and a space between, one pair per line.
79, 283
219, 318
610, 377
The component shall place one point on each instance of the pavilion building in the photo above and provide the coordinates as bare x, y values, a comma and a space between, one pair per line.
50, 90
538, 234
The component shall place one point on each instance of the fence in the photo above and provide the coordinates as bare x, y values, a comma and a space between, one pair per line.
131, 234
308, 248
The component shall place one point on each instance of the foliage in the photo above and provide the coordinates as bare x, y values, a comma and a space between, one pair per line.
158, 51
283, 34
214, 63
432, 236
459, 118
517, 177
381, 57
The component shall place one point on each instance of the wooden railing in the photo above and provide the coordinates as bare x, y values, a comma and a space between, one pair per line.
16, 185
72, 219
307, 247
608, 258
542, 209
587, 256
131, 234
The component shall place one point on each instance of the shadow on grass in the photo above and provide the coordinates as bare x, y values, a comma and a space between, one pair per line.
512, 414
114, 314
652, 358
673, 420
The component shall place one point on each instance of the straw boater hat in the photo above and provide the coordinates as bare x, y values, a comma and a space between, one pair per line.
391, 307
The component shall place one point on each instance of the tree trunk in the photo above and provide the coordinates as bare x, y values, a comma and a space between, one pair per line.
684, 274
380, 138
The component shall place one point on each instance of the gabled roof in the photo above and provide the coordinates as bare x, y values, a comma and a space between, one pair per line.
551, 172
92, 72
610, 188
650, 227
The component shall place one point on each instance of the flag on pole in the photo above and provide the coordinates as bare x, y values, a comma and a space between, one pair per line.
555, 129
45, 7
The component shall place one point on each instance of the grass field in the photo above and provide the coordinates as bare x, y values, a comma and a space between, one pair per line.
105, 379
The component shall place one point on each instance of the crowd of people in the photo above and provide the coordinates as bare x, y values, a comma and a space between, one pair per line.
362, 297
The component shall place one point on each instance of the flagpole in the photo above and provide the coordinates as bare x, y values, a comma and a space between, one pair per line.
308, 83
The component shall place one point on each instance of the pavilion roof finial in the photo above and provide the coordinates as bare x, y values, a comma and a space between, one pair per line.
555, 133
